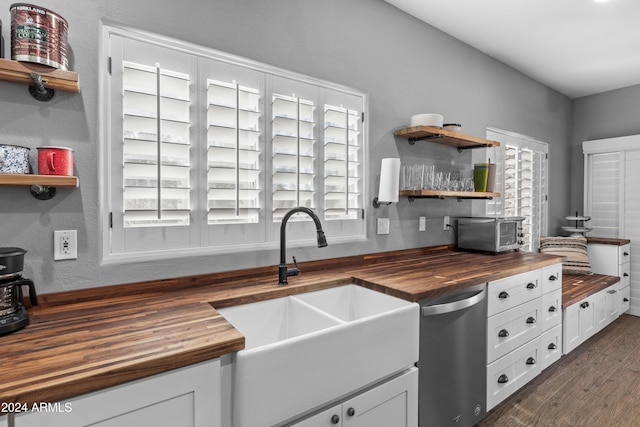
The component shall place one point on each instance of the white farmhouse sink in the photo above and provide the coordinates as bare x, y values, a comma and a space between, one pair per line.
306, 350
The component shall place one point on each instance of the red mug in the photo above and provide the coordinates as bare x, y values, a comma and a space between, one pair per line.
55, 161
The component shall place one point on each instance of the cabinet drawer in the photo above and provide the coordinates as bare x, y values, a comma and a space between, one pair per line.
625, 297
550, 347
507, 374
624, 254
511, 329
507, 293
624, 273
551, 278
551, 314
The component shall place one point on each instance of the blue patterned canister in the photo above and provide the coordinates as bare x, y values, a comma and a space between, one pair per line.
14, 159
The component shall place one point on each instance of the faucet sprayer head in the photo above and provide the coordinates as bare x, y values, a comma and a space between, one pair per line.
322, 240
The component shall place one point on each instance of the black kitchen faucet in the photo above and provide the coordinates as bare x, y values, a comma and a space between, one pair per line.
283, 270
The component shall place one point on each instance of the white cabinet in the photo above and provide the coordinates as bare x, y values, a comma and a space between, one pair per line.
507, 374
392, 403
551, 316
613, 260
608, 306
3, 421
550, 346
579, 323
186, 397
524, 332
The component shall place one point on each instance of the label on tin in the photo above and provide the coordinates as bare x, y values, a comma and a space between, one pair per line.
31, 33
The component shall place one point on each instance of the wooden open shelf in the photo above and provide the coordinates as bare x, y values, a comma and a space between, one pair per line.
438, 194
44, 180
443, 136
53, 78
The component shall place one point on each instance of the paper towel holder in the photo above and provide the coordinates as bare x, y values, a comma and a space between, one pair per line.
377, 204
388, 191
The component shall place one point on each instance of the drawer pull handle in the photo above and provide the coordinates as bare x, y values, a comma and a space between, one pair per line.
553, 309
626, 254
335, 419
552, 346
625, 274
531, 361
553, 278
503, 333
531, 285
503, 295
531, 320
351, 412
503, 379
584, 304
611, 291
625, 299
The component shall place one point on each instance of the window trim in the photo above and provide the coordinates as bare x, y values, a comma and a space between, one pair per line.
105, 159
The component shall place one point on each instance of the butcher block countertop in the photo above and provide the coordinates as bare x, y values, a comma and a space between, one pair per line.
86, 340
576, 287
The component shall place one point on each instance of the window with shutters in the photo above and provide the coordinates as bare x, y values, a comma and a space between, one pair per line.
521, 179
206, 152
603, 198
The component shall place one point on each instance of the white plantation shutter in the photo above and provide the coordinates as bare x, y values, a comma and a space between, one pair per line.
521, 179
233, 154
151, 147
293, 142
342, 163
156, 146
206, 152
603, 199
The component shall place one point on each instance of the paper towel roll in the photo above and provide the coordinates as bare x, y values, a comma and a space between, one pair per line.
389, 181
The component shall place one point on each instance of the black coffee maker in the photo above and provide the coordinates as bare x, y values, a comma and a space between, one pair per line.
13, 315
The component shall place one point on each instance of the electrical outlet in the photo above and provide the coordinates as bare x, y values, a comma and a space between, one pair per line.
422, 224
65, 244
447, 222
383, 225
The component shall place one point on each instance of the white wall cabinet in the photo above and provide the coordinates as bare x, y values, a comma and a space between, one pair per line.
185, 397
392, 403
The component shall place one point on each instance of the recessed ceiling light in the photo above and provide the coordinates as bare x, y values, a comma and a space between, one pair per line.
600, 1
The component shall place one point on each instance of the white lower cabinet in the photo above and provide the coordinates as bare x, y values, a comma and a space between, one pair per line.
392, 403
550, 346
579, 323
625, 299
524, 329
185, 397
510, 372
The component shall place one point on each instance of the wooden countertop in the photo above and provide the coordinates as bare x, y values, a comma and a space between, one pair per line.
608, 241
576, 287
86, 340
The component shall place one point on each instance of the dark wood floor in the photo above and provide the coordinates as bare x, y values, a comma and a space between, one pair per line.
597, 384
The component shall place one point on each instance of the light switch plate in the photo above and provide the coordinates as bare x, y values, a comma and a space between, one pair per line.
422, 224
383, 225
65, 244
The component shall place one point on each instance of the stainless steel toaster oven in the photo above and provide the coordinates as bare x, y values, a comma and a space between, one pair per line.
490, 234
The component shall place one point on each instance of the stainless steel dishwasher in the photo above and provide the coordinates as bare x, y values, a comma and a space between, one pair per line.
452, 363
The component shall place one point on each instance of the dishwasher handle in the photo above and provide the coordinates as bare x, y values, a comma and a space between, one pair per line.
466, 301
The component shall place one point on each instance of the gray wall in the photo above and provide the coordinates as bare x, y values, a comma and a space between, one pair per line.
405, 66
604, 115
